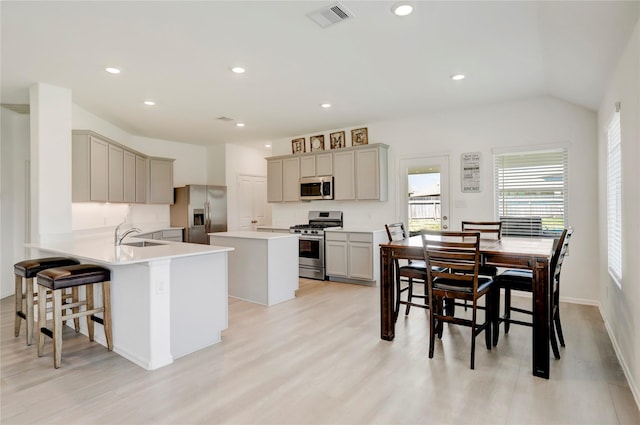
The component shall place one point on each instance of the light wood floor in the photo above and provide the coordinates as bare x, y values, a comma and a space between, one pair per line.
319, 359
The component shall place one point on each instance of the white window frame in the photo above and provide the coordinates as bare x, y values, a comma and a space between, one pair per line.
562, 151
614, 198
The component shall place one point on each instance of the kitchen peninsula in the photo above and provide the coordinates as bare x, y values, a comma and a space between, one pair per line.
168, 299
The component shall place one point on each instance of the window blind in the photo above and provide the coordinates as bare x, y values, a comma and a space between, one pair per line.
533, 184
614, 199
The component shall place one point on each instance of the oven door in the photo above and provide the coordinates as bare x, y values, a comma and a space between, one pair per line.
311, 251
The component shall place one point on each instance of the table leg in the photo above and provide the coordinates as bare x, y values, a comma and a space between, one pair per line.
541, 318
387, 322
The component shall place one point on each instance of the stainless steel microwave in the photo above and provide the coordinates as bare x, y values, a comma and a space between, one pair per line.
312, 188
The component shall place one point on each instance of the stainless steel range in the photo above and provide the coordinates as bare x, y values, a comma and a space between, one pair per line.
311, 242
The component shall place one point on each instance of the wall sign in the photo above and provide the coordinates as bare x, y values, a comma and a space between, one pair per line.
471, 172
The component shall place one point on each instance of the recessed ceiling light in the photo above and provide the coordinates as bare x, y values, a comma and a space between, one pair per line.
325, 105
238, 70
240, 124
267, 146
149, 102
457, 77
402, 9
112, 70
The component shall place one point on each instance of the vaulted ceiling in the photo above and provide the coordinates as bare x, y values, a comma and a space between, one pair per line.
372, 66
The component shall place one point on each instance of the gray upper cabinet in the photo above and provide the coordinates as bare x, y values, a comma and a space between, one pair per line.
360, 173
141, 179
105, 171
129, 177
116, 174
90, 168
160, 181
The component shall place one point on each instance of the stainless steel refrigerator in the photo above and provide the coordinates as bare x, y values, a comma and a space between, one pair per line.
200, 210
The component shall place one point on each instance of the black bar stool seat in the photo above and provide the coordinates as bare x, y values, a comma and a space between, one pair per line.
25, 296
57, 280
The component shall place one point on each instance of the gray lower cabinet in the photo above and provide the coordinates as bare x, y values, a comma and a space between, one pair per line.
353, 256
174, 235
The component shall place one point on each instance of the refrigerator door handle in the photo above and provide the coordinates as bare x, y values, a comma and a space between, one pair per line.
207, 216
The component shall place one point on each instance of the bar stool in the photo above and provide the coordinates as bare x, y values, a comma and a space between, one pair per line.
57, 280
26, 299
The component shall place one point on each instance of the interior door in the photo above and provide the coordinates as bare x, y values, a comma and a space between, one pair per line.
251, 201
423, 194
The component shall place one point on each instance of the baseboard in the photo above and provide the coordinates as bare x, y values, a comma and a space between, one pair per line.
627, 373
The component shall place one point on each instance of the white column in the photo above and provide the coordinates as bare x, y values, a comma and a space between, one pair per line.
50, 162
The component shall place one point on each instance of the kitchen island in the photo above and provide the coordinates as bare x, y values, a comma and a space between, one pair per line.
168, 299
263, 268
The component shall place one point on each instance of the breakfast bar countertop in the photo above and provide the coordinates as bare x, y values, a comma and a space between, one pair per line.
103, 250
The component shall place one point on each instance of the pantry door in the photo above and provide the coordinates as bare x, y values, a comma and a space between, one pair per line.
252, 201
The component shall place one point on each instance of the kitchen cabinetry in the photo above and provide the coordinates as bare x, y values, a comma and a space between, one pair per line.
129, 177
316, 165
174, 235
353, 256
283, 177
160, 181
116, 174
90, 168
105, 171
141, 179
359, 173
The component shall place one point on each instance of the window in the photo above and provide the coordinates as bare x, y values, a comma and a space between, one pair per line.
534, 184
614, 199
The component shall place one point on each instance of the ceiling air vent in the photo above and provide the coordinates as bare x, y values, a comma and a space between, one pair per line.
225, 119
330, 15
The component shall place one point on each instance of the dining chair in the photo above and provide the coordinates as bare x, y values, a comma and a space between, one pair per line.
453, 263
522, 280
414, 271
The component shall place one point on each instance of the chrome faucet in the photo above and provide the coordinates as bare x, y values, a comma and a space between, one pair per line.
118, 239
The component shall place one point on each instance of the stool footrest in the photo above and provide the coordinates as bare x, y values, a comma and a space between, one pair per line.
83, 313
47, 332
97, 319
21, 314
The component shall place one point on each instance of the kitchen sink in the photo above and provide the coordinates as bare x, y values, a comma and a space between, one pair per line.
141, 244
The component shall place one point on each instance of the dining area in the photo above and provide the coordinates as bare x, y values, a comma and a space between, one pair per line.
463, 276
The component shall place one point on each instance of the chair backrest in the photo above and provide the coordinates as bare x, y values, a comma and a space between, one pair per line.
561, 250
521, 226
452, 256
395, 232
487, 229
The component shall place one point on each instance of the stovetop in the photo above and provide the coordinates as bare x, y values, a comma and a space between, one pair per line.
318, 221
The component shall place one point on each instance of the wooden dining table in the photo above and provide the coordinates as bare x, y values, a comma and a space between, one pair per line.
513, 252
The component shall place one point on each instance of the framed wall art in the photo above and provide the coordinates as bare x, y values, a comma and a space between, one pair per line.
336, 140
359, 137
298, 146
317, 143
471, 167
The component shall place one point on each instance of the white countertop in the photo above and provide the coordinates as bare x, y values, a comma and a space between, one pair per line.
103, 251
253, 235
356, 229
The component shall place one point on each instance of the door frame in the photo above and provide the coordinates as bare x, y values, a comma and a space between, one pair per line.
402, 198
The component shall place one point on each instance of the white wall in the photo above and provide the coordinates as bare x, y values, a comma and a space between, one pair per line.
621, 306
14, 168
540, 121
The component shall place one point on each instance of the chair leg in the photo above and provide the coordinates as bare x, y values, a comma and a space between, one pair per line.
473, 339
432, 328
29, 310
57, 328
89, 297
495, 325
507, 309
554, 342
42, 317
396, 308
74, 299
106, 304
558, 326
409, 296
18, 304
